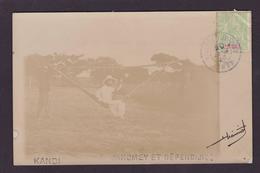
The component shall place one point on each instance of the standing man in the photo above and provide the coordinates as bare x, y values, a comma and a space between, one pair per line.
105, 94
43, 84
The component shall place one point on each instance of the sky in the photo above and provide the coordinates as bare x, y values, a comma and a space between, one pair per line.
130, 38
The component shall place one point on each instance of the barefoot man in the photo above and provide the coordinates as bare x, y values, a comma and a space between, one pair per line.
106, 93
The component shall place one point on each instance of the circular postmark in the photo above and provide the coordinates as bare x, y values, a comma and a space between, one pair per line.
221, 52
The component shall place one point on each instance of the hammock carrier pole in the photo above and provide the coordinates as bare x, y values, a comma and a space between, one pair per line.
92, 96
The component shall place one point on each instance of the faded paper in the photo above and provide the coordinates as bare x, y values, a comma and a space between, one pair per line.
132, 88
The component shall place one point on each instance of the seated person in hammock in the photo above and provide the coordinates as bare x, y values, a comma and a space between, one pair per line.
106, 93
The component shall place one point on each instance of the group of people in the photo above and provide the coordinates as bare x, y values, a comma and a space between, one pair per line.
106, 94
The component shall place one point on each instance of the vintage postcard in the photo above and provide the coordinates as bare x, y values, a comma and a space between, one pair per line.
132, 88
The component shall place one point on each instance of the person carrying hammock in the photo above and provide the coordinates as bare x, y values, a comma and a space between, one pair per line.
107, 91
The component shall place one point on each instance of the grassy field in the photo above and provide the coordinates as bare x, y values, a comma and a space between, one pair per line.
76, 125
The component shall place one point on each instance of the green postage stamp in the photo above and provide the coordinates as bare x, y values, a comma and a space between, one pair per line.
237, 24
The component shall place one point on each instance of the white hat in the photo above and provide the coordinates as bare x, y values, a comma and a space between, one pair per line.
109, 77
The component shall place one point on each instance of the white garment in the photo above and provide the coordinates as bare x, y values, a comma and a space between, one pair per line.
105, 94
117, 107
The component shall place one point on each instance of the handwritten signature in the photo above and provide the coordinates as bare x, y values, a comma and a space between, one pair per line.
234, 136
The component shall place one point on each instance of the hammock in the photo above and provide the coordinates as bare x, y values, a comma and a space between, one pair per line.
92, 96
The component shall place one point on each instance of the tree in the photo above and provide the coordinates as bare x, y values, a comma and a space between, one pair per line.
106, 61
162, 58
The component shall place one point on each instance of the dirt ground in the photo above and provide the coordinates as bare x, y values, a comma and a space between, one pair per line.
76, 125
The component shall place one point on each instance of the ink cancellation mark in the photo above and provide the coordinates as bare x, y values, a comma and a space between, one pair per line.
221, 52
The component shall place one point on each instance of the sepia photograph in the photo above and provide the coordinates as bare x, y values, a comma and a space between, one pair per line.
132, 88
